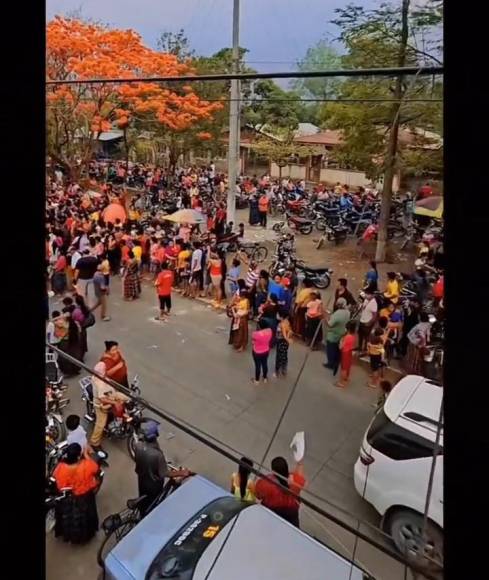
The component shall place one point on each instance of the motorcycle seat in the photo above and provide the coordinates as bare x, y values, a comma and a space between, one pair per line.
300, 220
133, 504
315, 270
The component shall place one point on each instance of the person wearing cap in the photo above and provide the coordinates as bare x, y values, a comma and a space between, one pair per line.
336, 330
151, 466
76, 515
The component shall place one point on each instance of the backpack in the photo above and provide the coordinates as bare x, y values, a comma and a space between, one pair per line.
89, 320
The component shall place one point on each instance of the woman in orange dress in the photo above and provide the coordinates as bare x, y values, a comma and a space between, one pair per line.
76, 514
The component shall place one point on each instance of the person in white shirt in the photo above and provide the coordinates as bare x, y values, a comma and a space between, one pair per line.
368, 316
196, 280
76, 433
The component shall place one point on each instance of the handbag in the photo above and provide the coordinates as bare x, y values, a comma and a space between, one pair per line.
89, 320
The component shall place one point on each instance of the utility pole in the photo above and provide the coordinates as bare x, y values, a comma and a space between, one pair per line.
234, 123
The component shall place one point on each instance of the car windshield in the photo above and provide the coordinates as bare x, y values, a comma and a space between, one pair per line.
179, 557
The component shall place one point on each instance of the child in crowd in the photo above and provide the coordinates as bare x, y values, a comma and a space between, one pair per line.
347, 344
375, 350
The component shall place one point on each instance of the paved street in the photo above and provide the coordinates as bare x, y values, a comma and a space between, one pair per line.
187, 368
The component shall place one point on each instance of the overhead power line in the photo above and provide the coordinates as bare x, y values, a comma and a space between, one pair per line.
192, 432
367, 72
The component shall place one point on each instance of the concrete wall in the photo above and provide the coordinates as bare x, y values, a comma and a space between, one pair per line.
292, 171
345, 177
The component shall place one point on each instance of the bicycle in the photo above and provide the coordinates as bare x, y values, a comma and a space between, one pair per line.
251, 251
117, 526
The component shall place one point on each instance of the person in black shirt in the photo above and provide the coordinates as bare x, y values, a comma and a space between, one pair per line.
85, 269
343, 292
151, 466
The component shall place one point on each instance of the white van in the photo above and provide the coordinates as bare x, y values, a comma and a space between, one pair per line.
202, 532
393, 469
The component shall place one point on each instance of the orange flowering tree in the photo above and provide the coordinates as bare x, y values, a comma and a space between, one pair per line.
77, 114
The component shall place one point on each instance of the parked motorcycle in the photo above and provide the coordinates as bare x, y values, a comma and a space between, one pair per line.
126, 427
334, 233
303, 225
52, 497
55, 427
320, 277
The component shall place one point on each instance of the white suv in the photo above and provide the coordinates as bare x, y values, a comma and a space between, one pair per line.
393, 469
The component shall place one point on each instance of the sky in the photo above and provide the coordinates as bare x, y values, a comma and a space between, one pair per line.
276, 32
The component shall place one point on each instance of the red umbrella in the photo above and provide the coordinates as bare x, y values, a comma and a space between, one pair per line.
113, 212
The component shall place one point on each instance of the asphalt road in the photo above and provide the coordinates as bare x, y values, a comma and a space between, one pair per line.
187, 368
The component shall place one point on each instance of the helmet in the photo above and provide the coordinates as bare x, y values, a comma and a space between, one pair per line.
149, 429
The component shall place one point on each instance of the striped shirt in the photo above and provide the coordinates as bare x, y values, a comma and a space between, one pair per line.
251, 278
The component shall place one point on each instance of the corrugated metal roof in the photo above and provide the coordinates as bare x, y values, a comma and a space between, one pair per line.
326, 137
110, 135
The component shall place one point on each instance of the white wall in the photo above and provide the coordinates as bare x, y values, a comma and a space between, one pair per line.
292, 171
345, 177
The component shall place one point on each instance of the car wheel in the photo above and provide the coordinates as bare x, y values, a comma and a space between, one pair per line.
405, 528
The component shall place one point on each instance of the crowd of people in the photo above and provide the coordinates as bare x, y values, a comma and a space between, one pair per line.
96, 232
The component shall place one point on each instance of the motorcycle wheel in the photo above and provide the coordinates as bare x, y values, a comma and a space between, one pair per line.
322, 282
277, 227
50, 520
131, 445
58, 430
306, 230
259, 254
321, 224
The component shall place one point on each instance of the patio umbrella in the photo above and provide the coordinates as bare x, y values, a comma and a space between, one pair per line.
430, 206
186, 216
114, 211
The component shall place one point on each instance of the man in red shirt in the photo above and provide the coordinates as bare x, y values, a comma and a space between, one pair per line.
163, 285
159, 256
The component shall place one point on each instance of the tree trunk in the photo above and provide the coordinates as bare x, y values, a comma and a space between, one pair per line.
126, 148
391, 153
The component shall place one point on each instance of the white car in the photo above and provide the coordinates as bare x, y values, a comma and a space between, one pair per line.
393, 470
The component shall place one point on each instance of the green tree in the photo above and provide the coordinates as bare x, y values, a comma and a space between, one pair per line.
176, 43
281, 149
391, 35
321, 56
273, 107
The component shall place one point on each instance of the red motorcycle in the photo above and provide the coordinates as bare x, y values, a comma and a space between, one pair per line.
297, 206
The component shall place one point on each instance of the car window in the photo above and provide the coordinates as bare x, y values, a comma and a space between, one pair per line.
396, 442
179, 557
